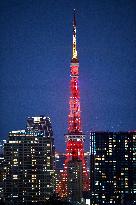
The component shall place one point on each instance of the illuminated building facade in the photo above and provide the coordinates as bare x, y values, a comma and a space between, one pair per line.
59, 165
1, 176
75, 180
113, 168
75, 137
2, 142
29, 163
1, 167
59, 161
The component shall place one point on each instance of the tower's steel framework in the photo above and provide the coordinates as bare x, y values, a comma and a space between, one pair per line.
74, 137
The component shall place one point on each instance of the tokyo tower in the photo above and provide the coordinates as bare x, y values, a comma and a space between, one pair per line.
74, 179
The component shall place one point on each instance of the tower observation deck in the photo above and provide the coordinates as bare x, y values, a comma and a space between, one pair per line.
74, 179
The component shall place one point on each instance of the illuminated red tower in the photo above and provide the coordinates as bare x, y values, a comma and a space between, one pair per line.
74, 138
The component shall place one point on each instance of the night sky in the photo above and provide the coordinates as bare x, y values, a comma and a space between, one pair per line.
35, 54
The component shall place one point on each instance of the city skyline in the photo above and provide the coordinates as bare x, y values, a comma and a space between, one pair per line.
35, 64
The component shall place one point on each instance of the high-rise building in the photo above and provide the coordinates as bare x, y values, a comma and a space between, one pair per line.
1, 176
2, 142
29, 155
113, 168
75, 161
59, 161
59, 165
75, 179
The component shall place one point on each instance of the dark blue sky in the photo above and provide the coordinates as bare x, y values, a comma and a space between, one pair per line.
35, 54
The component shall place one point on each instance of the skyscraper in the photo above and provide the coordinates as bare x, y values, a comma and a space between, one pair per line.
75, 167
59, 164
113, 167
29, 162
1, 167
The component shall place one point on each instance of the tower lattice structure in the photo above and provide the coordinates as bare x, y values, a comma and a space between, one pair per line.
75, 137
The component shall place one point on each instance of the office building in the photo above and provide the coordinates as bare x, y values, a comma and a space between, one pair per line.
59, 164
75, 182
2, 142
113, 168
29, 154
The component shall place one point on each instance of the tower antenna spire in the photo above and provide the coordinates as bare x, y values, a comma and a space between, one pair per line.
74, 19
74, 49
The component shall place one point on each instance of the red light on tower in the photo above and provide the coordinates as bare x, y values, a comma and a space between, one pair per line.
74, 138
74, 70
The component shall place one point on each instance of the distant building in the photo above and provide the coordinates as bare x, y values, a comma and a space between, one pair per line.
1, 176
59, 161
29, 154
75, 182
59, 164
113, 168
2, 142
1, 167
